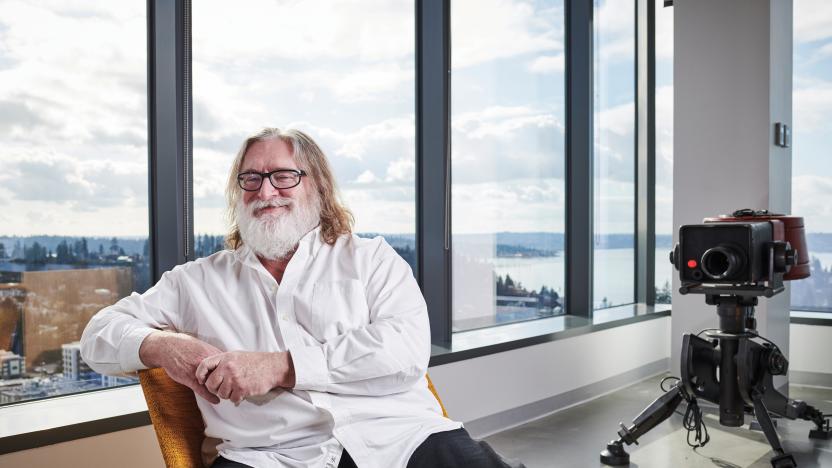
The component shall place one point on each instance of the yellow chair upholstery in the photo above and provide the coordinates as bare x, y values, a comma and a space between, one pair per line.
178, 422
176, 418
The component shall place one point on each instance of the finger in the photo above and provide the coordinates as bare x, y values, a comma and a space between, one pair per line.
206, 366
225, 390
214, 381
236, 396
204, 393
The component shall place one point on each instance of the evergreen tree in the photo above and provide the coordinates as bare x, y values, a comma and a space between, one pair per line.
62, 253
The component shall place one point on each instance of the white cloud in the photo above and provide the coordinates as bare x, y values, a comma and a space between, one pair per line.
366, 177
664, 138
810, 199
812, 20
486, 30
520, 205
615, 32
619, 120
664, 33
813, 105
547, 64
303, 32
401, 170
502, 121
502, 143
79, 85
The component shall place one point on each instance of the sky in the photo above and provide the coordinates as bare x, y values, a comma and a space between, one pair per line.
73, 116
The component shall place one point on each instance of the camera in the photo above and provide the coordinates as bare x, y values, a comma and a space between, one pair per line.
746, 248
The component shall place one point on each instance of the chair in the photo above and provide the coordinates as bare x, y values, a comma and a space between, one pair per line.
178, 422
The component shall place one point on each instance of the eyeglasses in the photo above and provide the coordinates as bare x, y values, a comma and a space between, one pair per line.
251, 181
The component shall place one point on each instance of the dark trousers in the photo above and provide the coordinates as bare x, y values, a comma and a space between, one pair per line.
449, 449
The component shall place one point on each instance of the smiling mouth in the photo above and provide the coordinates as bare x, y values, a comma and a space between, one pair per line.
269, 209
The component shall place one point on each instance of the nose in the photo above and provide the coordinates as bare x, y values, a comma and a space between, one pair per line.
267, 190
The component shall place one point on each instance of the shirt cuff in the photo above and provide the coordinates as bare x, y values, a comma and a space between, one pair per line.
311, 371
128, 352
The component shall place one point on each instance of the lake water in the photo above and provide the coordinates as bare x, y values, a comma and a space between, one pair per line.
613, 272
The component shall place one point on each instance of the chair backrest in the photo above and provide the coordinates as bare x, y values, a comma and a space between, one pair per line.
178, 422
176, 418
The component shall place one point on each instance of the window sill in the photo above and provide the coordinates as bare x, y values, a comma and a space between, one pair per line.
803, 317
39, 423
485, 341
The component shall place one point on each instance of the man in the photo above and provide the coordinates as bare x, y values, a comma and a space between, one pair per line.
306, 346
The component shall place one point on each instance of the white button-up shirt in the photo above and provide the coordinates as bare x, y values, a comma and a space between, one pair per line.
355, 322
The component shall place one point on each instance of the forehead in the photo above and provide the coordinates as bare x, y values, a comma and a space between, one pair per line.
268, 155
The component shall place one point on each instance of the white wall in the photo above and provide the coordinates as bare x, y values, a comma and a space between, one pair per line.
810, 349
480, 387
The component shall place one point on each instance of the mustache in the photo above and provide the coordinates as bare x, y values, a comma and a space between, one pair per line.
258, 205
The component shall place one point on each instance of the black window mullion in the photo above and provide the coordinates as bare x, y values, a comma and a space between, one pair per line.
169, 171
579, 157
645, 150
433, 163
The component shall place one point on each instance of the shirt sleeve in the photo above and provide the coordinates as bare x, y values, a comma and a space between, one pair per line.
390, 354
111, 340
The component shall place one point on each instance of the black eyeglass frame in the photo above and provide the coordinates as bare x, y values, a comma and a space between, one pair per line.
268, 175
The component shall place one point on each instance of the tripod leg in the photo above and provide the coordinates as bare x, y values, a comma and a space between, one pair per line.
661, 409
781, 459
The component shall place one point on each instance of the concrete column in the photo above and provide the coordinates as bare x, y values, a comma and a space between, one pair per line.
732, 81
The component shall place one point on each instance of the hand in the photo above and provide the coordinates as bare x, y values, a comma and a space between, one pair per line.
236, 375
179, 355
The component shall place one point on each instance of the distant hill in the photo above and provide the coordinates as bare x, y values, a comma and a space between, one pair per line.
131, 245
532, 244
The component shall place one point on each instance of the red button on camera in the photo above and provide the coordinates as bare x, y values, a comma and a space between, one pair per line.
692, 263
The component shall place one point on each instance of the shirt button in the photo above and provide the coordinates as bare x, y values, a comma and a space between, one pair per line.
284, 317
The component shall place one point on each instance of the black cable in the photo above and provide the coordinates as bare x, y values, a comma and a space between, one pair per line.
669, 377
694, 423
707, 330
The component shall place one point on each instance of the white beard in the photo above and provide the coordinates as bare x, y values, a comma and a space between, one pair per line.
276, 235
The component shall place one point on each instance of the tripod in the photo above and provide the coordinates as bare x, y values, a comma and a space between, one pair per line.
732, 371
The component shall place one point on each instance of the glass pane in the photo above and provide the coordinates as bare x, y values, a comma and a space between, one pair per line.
327, 68
507, 161
811, 171
614, 153
664, 152
73, 189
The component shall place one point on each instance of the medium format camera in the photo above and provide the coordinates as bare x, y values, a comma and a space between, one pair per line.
745, 248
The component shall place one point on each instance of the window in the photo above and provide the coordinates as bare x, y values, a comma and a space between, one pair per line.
507, 153
73, 143
811, 172
328, 68
614, 153
664, 152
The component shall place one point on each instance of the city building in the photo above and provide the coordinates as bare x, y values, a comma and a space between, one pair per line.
74, 368
11, 365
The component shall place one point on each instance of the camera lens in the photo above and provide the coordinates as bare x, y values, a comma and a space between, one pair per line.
720, 262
